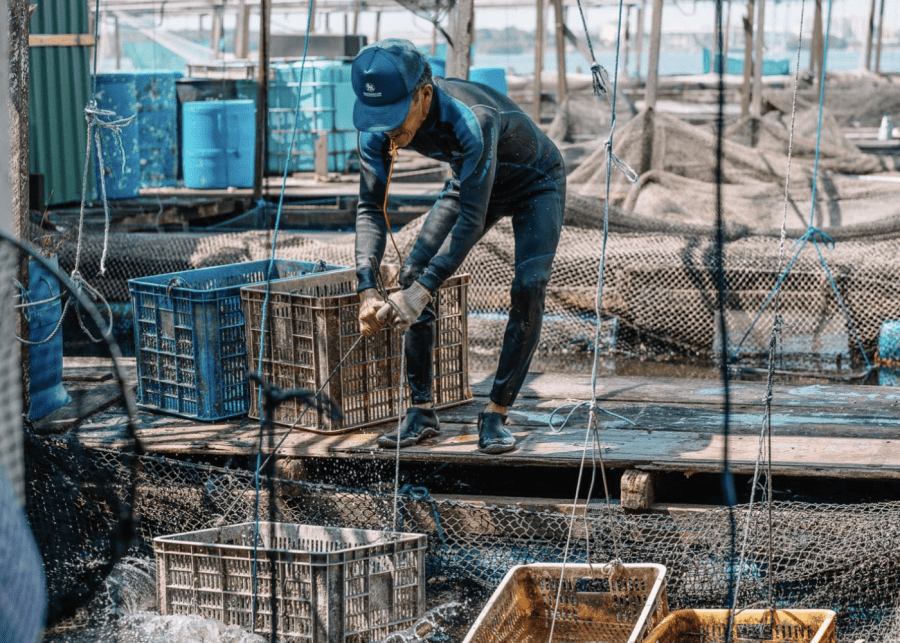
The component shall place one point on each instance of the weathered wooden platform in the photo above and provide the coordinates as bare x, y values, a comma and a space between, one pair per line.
832, 431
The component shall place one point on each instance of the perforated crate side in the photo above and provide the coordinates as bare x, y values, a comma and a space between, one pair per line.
616, 604
776, 626
311, 328
189, 337
331, 584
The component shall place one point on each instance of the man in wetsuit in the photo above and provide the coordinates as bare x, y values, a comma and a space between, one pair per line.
503, 165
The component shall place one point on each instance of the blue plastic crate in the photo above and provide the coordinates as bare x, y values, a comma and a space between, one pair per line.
189, 337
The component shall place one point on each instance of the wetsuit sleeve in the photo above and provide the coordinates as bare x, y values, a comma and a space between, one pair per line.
371, 229
476, 171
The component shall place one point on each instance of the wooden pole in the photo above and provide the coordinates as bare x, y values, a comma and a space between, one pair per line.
748, 58
815, 45
355, 17
434, 32
627, 51
756, 105
242, 31
378, 26
561, 85
459, 55
539, 38
653, 61
262, 100
346, 25
726, 37
312, 17
215, 36
880, 37
639, 40
117, 41
870, 32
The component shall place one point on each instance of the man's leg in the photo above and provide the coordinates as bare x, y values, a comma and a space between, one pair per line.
536, 229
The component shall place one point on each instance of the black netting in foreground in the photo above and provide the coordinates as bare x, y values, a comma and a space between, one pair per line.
842, 557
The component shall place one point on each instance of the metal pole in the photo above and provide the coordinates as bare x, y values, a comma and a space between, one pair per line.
627, 51
653, 61
639, 43
355, 16
262, 100
756, 106
561, 85
870, 32
242, 30
538, 61
748, 59
378, 26
816, 43
117, 41
215, 35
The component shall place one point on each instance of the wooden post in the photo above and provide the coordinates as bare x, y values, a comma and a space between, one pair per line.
653, 61
242, 31
539, 39
870, 32
262, 100
627, 51
880, 38
756, 105
726, 37
117, 41
459, 55
816, 43
16, 91
215, 36
355, 17
639, 40
378, 26
312, 17
561, 85
346, 24
434, 32
748, 59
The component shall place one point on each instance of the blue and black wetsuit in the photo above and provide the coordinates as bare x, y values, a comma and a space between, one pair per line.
503, 165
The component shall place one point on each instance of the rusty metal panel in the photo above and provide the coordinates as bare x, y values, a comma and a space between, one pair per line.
59, 86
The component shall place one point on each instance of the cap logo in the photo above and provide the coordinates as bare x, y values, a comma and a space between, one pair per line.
370, 91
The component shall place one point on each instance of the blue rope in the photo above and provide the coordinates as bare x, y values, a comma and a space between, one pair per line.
262, 334
812, 233
420, 494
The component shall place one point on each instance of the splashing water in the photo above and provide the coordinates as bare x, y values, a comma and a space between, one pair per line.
435, 626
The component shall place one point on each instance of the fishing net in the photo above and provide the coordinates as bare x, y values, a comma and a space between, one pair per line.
11, 448
842, 557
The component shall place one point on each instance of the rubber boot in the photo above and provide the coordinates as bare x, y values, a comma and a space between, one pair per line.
418, 425
493, 436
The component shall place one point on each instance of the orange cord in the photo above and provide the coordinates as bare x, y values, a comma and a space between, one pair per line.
394, 153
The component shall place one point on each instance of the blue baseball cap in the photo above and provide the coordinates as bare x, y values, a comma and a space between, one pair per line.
383, 76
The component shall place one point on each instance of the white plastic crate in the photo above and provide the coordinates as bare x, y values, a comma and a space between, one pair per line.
332, 584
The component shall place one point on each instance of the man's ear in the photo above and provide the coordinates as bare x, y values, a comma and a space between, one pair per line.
426, 93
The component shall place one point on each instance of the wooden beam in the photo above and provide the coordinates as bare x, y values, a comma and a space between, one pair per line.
756, 104
880, 38
242, 31
540, 37
748, 58
459, 55
61, 40
653, 62
870, 32
262, 101
561, 85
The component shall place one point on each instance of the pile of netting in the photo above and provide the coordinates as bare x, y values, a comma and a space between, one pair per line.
841, 557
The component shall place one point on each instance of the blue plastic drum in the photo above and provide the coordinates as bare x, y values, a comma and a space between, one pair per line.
116, 93
889, 353
219, 143
157, 122
493, 77
45, 359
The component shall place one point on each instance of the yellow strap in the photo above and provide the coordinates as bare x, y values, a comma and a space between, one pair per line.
394, 153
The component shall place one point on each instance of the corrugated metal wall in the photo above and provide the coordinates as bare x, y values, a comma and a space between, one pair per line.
60, 88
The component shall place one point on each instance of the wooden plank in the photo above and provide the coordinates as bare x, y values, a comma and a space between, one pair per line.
87, 399
61, 40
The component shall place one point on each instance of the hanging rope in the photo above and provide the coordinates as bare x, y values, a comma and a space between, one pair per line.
394, 152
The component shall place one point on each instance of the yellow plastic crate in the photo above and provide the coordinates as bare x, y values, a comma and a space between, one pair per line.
710, 626
608, 603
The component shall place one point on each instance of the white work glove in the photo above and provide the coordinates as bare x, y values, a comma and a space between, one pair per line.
405, 306
369, 304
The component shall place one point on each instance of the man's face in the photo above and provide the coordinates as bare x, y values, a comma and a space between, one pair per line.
418, 111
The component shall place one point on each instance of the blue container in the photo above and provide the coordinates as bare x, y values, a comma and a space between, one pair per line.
493, 77
438, 66
889, 353
189, 337
157, 120
219, 143
117, 93
45, 361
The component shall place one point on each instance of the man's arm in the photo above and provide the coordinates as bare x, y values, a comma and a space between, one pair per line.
371, 229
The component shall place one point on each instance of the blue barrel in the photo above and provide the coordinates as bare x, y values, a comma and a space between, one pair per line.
240, 141
889, 353
157, 120
219, 143
45, 360
438, 66
117, 93
493, 77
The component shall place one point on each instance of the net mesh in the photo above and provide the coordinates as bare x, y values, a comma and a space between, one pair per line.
842, 557
11, 448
